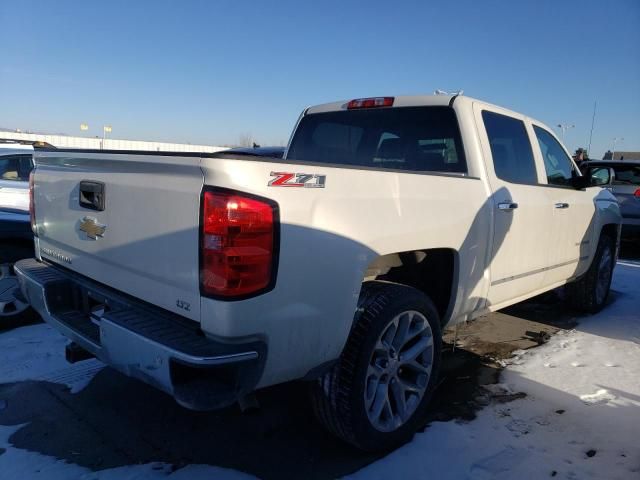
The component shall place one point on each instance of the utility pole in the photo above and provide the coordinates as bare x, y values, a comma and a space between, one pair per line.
105, 129
615, 140
593, 121
564, 127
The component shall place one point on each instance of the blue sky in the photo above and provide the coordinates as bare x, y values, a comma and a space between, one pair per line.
210, 71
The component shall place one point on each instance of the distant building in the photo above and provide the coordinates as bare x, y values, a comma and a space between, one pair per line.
93, 143
621, 155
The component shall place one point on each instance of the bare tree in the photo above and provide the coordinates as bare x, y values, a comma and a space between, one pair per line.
245, 140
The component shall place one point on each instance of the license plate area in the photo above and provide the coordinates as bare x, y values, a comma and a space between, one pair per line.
79, 308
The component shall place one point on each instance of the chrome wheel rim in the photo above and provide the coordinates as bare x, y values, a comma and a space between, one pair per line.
605, 269
10, 304
399, 371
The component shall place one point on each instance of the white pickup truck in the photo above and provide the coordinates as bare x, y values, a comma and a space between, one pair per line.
213, 275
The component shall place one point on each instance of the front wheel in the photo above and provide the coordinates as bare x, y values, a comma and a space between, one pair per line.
590, 292
376, 396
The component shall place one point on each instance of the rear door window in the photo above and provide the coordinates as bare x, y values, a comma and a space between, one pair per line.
420, 139
557, 164
510, 148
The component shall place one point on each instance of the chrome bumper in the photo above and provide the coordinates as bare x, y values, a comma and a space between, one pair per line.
142, 341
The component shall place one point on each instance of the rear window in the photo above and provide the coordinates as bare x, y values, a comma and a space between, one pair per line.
420, 139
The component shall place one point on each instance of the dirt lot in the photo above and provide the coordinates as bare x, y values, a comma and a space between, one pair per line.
117, 421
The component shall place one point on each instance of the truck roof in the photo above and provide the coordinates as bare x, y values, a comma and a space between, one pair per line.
413, 101
422, 101
399, 101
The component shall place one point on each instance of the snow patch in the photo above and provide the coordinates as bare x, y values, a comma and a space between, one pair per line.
580, 417
36, 352
580, 423
601, 396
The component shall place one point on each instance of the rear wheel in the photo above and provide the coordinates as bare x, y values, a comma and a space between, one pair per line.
376, 396
590, 292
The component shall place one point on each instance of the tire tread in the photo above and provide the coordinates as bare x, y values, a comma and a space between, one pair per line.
331, 394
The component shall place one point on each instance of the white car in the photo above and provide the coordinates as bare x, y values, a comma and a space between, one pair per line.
210, 276
16, 162
16, 239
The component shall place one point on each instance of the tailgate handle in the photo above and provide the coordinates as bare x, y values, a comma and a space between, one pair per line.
92, 195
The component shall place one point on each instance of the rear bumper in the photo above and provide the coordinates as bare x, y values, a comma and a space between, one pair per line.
141, 341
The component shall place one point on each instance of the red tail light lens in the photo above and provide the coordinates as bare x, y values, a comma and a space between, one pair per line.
238, 244
373, 102
637, 193
32, 207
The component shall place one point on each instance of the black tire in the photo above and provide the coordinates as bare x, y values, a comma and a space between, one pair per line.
583, 294
338, 397
13, 314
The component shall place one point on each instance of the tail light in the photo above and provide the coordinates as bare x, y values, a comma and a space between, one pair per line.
32, 206
637, 193
370, 102
238, 244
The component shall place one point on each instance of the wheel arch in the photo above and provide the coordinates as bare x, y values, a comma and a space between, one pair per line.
433, 271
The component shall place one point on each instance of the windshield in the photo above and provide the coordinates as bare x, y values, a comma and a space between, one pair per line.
421, 139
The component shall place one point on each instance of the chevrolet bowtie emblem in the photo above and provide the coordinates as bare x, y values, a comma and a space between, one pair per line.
92, 228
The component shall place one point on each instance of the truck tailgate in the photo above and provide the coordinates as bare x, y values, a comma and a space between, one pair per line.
143, 240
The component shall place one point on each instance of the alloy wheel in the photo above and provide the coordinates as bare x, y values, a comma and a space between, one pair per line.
399, 371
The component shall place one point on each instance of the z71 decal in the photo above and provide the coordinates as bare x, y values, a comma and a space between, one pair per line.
307, 180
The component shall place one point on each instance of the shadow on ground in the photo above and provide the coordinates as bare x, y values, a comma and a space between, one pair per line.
118, 421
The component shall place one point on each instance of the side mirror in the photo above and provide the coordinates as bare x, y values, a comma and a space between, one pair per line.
580, 182
599, 176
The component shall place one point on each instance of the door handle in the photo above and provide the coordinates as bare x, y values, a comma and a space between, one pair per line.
507, 206
561, 205
92, 195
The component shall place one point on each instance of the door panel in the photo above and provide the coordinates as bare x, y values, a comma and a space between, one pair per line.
523, 220
572, 232
573, 210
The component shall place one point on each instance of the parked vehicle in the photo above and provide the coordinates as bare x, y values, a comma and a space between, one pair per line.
16, 162
16, 238
275, 152
625, 185
210, 276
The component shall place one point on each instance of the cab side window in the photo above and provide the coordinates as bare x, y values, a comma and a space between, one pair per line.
510, 148
557, 164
